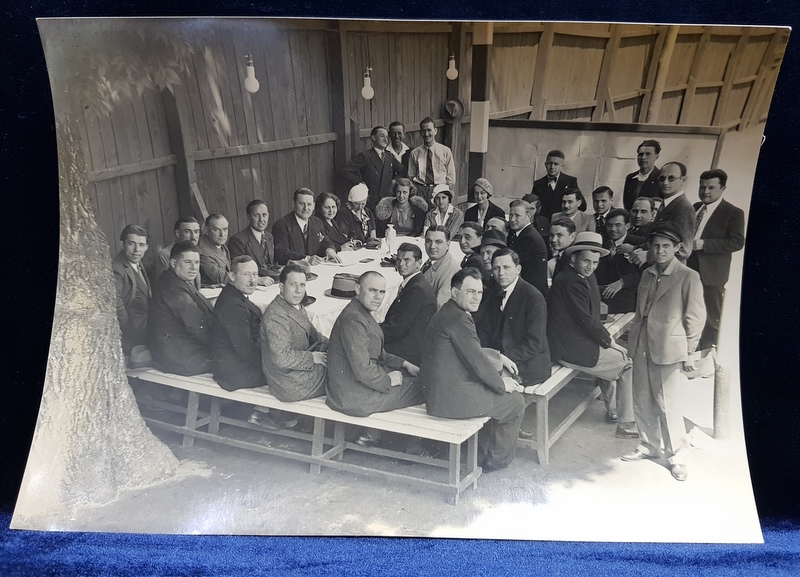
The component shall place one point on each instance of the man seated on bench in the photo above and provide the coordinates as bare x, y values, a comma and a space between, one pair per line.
562, 235
460, 380
179, 319
617, 277
577, 337
362, 377
132, 287
293, 353
215, 258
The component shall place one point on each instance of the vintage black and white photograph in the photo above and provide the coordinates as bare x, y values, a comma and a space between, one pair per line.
400, 278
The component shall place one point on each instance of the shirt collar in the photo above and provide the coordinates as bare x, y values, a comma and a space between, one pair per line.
673, 264
408, 278
510, 288
668, 201
643, 177
300, 222
256, 234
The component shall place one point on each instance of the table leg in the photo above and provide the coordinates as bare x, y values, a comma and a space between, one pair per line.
318, 443
191, 417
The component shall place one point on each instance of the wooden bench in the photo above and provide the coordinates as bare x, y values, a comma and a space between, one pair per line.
540, 395
412, 421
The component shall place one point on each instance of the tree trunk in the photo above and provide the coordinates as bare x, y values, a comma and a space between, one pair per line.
90, 442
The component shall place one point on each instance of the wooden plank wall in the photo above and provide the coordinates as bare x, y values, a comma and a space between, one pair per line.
131, 168
263, 145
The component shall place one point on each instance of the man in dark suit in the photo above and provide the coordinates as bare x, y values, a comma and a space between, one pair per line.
215, 258
642, 215
601, 202
577, 337
719, 233
186, 228
397, 148
132, 287
643, 182
552, 185
677, 209
300, 232
484, 208
461, 382
362, 377
408, 316
617, 277
376, 167
256, 242
516, 322
529, 245
179, 318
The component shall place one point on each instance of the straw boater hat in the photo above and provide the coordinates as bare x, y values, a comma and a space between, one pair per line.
668, 230
494, 238
485, 185
587, 241
358, 193
442, 188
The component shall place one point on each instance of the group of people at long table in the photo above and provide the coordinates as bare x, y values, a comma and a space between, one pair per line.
471, 336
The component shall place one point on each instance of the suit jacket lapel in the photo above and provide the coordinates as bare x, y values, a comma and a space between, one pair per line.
297, 316
667, 282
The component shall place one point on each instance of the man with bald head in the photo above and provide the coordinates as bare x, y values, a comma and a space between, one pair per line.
362, 377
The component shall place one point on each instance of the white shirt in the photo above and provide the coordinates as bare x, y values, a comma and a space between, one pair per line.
710, 208
642, 177
405, 280
256, 234
399, 156
509, 289
300, 222
379, 152
440, 220
668, 201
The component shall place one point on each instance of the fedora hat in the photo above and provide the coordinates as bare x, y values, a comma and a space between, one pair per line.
587, 241
493, 237
452, 111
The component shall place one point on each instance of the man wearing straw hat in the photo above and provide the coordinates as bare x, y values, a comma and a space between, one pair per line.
577, 337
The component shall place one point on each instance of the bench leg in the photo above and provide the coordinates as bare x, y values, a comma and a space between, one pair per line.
214, 414
455, 469
472, 458
318, 443
542, 431
338, 440
191, 417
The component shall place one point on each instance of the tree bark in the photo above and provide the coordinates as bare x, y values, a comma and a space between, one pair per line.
90, 442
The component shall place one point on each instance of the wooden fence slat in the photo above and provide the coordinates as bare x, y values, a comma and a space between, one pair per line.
286, 144
130, 169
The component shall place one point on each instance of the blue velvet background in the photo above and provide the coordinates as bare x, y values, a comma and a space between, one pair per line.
29, 188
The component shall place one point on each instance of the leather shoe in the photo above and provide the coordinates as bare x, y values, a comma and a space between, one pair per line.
611, 417
523, 434
367, 441
637, 454
679, 472
265, 421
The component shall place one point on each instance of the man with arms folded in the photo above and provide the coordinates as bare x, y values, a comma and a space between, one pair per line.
441, 265
179, 319
460, 380
186, 228
408, 316
300, 232
293, 351
529, 245
255, 241
669, 319
132, 287
577, 337
215, 258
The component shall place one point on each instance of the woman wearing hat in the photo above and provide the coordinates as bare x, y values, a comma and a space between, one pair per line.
327, 210
406, 211
357, 222
485, 209
443, 212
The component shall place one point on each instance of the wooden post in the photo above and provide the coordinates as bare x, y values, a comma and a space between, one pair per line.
177, 117
730, 76
340, 104
652, 69
654, 106
479, 123
603, 94
539, 111
691, 86
452, 132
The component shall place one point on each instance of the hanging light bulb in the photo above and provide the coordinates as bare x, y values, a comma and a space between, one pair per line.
251, 83
452, 73
367, 92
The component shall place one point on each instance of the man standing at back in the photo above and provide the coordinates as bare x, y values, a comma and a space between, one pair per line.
460, 381
643, 182
441, 265
186, 228
215, 258
529, 245
432, 163
376, 168
300, 232
719, 233
398, 148
132, 287
552, 185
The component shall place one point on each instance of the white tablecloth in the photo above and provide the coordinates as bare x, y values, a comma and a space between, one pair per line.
325, 310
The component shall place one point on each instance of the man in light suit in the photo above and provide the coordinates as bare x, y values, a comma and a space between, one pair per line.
516, 320
257, 242
570, 202
376, 167
643, 182
362, 377
551, 187
300, 232
215, 258
528, 244
719, 233
666, 328
408, 316
441, 265
293, 351
460, 380
132, 287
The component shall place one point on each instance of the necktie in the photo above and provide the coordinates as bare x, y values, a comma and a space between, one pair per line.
502, 298
305, 231
552, 182
601, 222
429, 166
425, 267
700, 214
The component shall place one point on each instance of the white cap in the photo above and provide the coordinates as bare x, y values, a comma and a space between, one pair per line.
358, 193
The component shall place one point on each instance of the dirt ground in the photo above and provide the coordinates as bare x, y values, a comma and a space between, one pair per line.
585, 493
